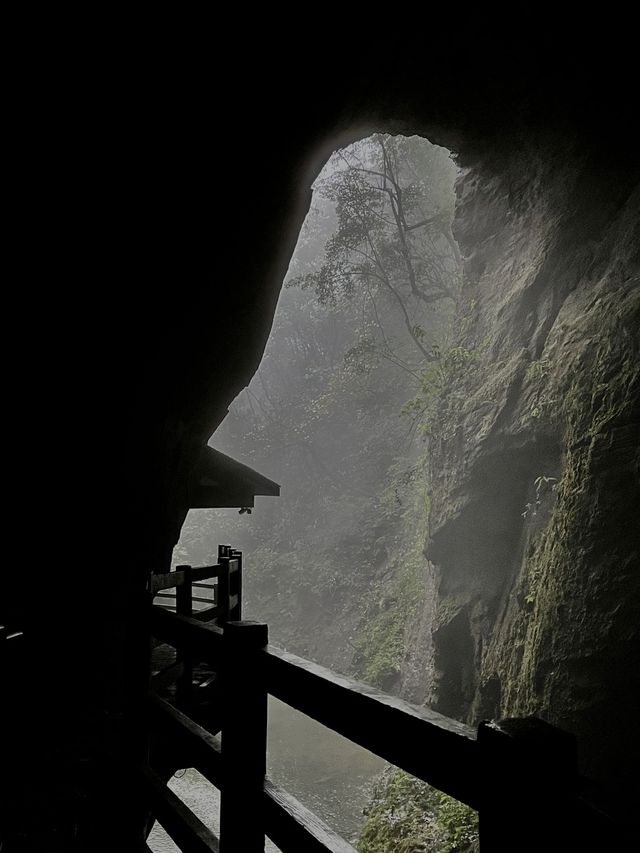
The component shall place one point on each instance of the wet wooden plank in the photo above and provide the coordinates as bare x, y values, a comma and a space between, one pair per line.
188, 831
202, 750
292, 827
436, 749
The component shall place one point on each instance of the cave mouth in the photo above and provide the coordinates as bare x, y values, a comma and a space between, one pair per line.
341, 407
339, 413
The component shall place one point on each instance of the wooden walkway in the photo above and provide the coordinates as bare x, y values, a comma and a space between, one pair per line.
519, 774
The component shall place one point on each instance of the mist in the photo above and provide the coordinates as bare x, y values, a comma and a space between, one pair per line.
340, 413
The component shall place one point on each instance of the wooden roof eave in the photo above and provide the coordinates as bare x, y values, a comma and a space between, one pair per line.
220, 481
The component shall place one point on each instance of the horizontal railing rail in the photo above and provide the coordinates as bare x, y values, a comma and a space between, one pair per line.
293, 827
385, 725
177, 578
187, 830
448, 754
289, 824
520, 775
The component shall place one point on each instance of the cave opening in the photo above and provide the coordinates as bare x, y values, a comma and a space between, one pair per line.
437, 449
132, 384
340, 413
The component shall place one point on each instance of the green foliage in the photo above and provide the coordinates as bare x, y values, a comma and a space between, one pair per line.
459, 821
448, 365
395, 600
576, 557
363, 357
408, 816
392, 239
336, 564
541, 483
382, 645
543, 407
539, 369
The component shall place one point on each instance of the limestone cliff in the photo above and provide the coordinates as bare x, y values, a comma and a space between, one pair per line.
533, 543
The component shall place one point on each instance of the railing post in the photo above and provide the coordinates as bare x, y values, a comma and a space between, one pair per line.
224, 590
528, 777
236, 587
244, 739
184, 607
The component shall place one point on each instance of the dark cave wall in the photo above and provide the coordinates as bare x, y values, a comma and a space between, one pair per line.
142, 309
534, 541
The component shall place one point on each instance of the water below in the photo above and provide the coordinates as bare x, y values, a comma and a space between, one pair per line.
327, 773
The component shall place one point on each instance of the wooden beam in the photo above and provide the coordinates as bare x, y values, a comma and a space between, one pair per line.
292, 827
235, 585
166, 675
202, 749
436, 749
244, 739
206, 614
170, 579
203, 641
184, 607
223, 589
188, 831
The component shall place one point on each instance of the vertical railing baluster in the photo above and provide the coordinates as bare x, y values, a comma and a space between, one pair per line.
236, 587
244, 738
224, 590
184, 607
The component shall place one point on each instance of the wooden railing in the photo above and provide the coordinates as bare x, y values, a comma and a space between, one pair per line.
225, 600
519, 774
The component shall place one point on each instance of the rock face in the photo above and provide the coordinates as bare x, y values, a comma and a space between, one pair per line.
534, 537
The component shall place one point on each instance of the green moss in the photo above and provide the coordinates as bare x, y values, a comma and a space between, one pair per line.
396, 600
393, 606
406, 816
576, 556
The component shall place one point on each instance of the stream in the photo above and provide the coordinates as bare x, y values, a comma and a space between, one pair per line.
330, 775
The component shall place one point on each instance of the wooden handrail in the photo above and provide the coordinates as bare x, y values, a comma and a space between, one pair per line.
507, 771
173, 596
436, 749
168, 580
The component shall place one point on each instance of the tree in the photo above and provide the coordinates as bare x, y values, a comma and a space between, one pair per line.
392, 239
321, 416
